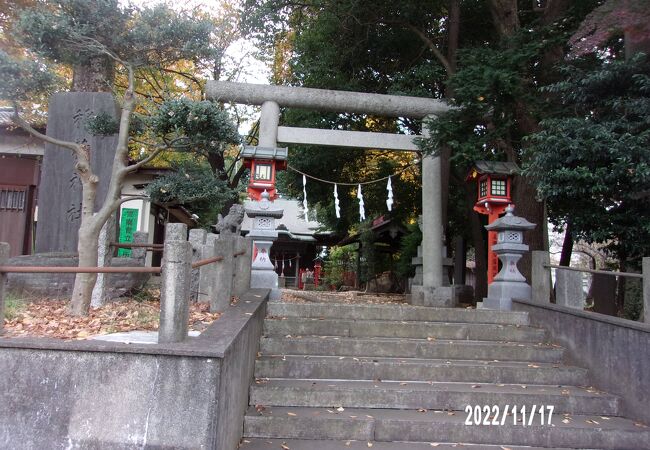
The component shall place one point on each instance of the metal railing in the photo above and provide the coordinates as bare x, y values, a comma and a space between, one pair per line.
542, 284
176, 299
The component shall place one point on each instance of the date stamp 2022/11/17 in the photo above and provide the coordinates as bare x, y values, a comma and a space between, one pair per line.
515, 415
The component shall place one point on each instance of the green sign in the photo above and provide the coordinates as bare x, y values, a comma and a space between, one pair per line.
128, 226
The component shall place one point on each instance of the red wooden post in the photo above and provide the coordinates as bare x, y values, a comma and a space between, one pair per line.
317, 270
301, 285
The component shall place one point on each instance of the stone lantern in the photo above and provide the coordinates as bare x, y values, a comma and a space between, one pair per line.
264, 163
264, 233
509, 283
494, 193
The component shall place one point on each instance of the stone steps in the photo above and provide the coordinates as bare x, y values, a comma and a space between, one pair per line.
424, 395
391, 425
414, 369
402, 329
301, 444
410, 348
350, 376
394, 312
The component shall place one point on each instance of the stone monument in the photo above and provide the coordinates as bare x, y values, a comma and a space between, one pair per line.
59, 197
509, 282
264, 233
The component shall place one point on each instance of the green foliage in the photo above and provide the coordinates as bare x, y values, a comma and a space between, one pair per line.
102, 124
195, 186
408, 250
203, 125
492, 87
591, 160
75, 31
23, 79
633, 306
14, 305
340, 260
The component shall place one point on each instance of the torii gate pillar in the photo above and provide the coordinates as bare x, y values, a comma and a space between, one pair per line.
433, 291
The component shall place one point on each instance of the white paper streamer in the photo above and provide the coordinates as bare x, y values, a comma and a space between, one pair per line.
304, 197
362, 212
389, 200
337, 208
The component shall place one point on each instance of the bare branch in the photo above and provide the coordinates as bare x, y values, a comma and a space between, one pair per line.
133, 167
22, 123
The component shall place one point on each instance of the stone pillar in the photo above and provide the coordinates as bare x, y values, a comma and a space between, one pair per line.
242, 278
434, 293
646, 289
269, 120
175, 285
175, 232
541, 277
104, 258
4, 259
140, 253
568, 289
264, 233
224, 247
197, 240
207, 273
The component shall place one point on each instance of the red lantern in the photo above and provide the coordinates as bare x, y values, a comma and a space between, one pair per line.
264, 162
494, 186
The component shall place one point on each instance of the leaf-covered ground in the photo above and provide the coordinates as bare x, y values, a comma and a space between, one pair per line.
50, 318
341, 297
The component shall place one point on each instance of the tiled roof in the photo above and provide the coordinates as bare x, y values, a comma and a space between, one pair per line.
293, 218
5, 115
497, 167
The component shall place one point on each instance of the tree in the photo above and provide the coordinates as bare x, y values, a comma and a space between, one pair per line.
591, 160
496, 88
94, 37
629, 18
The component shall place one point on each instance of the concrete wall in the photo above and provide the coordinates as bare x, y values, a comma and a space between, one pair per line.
616, 351
97, 394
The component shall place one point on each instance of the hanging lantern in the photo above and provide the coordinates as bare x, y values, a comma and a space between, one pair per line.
494, 188
263, 162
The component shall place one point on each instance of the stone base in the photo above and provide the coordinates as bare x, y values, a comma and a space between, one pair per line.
266, 279
443, 296
501, 293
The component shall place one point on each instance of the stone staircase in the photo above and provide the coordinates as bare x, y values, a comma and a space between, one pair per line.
350, 376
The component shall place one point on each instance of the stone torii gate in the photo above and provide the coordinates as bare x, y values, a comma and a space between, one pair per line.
271, 98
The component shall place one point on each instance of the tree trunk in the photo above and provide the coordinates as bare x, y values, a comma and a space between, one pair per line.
567, 246
95, 75
480, 246
533, 211
84, 282
505, 17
